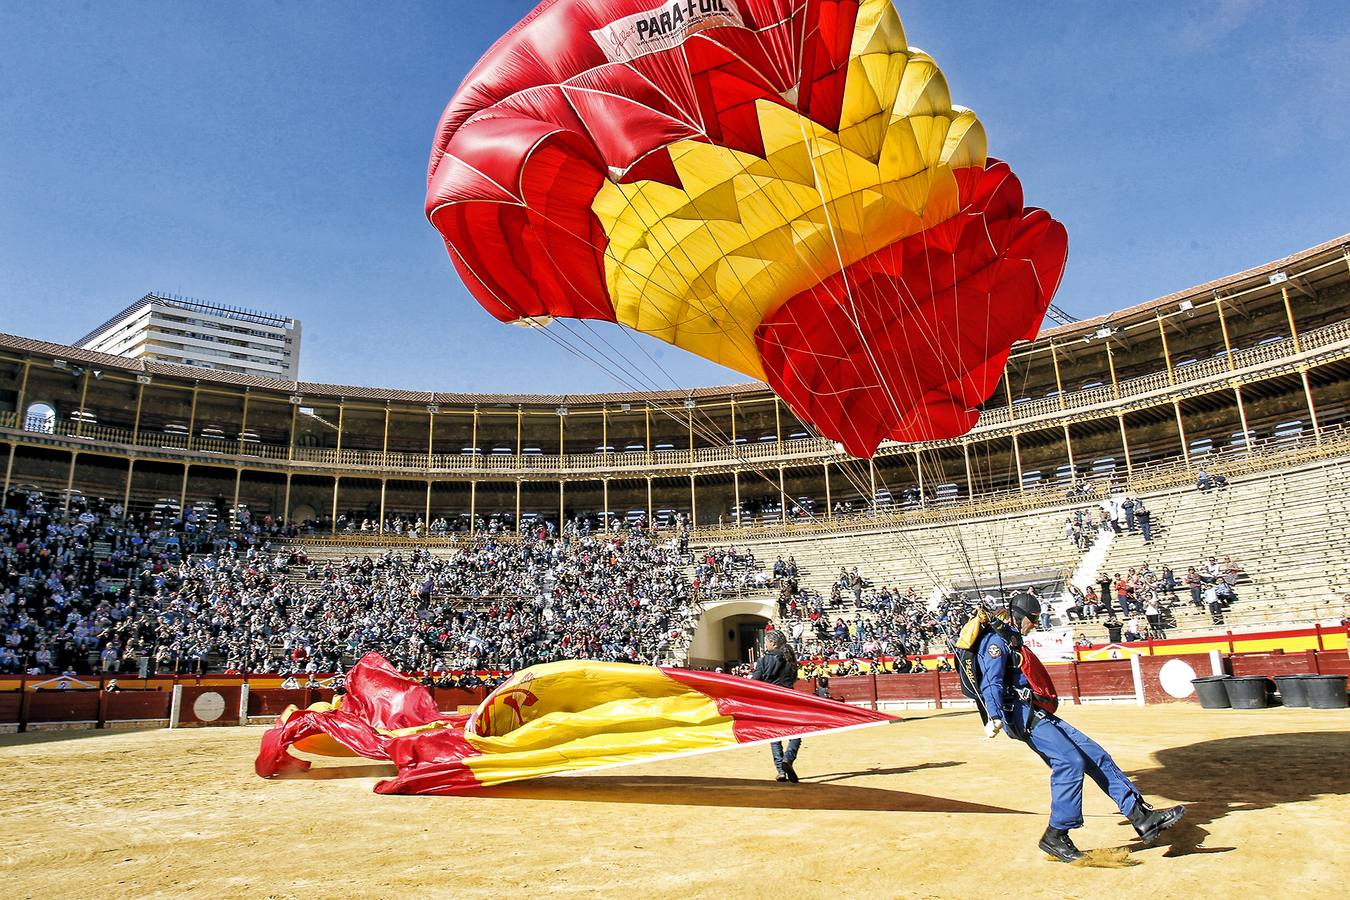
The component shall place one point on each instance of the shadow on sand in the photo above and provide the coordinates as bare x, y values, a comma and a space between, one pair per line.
737, 792
1237, 774
747, 793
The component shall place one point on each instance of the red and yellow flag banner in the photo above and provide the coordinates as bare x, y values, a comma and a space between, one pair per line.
546, 720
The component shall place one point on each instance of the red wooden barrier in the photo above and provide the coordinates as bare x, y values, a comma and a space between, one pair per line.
63, 706
120, 706
10, 702
1271, 664
1105, 678
855, 688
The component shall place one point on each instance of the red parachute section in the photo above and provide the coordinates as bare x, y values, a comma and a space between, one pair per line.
899, 345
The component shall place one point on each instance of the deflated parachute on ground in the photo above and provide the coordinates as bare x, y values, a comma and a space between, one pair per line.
548, 719
781, 186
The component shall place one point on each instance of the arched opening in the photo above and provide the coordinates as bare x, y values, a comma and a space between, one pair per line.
730, 632
40, 417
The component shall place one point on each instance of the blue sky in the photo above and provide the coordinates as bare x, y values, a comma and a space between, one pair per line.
273, 155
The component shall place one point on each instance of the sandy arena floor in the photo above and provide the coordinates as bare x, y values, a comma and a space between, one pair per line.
925, 808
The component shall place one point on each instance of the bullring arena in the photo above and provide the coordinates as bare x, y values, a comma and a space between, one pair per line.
108, 799
270, 637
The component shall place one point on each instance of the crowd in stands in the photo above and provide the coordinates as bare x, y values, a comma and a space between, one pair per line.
1143, 602
94, 589
860, 622
1128, 514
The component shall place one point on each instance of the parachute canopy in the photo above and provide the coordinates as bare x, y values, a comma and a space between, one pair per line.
783, 187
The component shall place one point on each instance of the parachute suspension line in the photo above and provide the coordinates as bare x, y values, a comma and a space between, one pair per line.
709, 430
714, 436
855, 319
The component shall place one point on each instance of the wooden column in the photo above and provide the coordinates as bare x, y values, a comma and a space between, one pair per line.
126, 494
383, 484
192, 417
182, 495
1289, 313
1223, 329
1111, 366
829, 504
604, 488
1312, 408
384, 445
918, 467
342, 411
970, 479
1125, 445
693, 504
1017, 460
1059, 383
519, 529
286, 503
70, 480
136, 420
238, 476
690, 411
1181, 430
295, 421
426, 518
243, 424
431, 439
736, 495
336, 479
84, 393
473, 500
1167, 354
782, 496
1242, 417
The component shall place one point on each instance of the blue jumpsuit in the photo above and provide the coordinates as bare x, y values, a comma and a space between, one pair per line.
1068, 752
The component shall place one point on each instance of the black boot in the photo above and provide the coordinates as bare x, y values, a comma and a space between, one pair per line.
1057, 843
1149, 822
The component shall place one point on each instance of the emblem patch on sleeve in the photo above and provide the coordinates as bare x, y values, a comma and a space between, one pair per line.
993, 650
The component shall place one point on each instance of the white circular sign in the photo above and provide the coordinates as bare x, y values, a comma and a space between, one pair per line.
208, 707
1175, 676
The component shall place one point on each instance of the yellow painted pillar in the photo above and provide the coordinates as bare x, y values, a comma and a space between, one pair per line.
1167, 354
84, 393
336, 479
1289, 312
1223, 328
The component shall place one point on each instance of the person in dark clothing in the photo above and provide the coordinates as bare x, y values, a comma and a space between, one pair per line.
778, 666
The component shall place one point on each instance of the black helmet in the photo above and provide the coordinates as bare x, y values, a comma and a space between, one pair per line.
1024, 605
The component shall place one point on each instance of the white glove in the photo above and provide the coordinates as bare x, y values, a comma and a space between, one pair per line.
993, 727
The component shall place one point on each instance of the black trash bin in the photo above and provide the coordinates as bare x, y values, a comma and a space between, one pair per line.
1325, 691
1291, 687
1211, 691
1249, 691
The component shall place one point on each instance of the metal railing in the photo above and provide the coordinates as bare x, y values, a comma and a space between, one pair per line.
1041, 411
